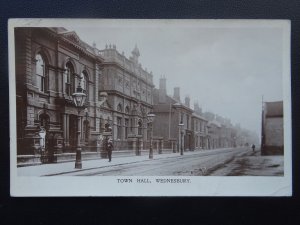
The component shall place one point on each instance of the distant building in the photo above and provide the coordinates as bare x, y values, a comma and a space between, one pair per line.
214, 134
199, 127
272, 142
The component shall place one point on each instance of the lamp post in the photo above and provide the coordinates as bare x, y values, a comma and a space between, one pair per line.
79, 99
234, 142
102, 99
107, 134
150, 118
181, 135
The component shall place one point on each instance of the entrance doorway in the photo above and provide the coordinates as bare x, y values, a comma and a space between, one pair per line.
73, 132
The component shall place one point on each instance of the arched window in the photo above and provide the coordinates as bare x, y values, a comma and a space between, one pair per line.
107, 126
101, 125
44, 121
127, 110
119, 108
84, 82
40, 72
69, 79
126, 128
119, 127
86, 130
140, 124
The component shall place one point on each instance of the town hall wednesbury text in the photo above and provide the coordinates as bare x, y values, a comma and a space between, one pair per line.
156, 180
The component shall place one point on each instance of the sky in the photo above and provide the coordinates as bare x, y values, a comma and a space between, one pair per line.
224, 66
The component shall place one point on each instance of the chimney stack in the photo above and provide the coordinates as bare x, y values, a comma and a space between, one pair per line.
197, 109
177, 94
187, 101
162, 90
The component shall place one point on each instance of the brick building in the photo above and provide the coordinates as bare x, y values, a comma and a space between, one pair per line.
170, 112
272, 142
199, 127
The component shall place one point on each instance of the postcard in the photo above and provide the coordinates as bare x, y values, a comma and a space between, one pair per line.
123, 107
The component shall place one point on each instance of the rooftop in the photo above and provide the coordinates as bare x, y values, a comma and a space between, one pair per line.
274, 109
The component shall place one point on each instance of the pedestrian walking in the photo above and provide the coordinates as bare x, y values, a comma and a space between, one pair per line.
253, 147
109, 149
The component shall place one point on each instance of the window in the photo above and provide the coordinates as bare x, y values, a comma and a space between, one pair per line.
132, 124
107, 126
119, 108
44, 121
84, 83
140, 127
119, 127
69, 79
86, 130
101, 125
120, 80
126, 127
187, 121
40, 72
127, 110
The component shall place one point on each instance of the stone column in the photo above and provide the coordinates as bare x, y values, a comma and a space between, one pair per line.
65, 127
28, 58
160, 145
67, 141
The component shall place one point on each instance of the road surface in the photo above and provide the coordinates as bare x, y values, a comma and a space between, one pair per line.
196, 164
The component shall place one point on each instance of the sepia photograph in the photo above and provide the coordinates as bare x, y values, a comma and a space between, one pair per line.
115, 107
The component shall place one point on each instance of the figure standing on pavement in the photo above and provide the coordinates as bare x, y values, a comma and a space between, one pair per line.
109, 149
253, 147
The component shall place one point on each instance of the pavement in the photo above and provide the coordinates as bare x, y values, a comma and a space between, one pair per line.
69, 167
245, 163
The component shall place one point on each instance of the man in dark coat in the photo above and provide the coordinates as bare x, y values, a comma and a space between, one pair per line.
109, 149
253, 147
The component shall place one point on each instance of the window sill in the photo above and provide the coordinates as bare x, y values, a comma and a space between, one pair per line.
43, 94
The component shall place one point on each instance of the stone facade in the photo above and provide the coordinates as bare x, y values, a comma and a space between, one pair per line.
130, 90
50, 64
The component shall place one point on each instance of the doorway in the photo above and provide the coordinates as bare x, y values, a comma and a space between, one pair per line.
73, 132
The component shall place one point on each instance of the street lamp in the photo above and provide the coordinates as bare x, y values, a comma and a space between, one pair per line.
234, 142
150, 118
181, 135
79, 99
102, 99
107, 134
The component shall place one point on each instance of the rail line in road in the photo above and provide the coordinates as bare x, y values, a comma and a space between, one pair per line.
158, 165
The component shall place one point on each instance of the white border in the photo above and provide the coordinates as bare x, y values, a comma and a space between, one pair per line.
107, 185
